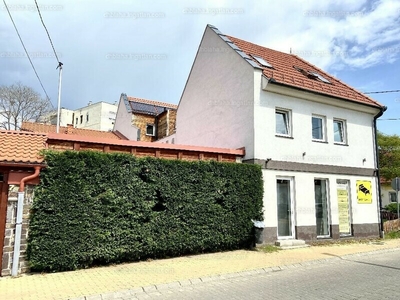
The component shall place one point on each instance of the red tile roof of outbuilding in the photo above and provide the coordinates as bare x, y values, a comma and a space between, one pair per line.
46, 128
21, 147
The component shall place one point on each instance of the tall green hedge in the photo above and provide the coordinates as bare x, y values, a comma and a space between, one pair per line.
95, 208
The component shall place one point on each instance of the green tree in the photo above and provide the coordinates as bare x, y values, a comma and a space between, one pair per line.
389, 156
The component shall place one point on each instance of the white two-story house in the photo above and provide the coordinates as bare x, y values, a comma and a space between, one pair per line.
313, 136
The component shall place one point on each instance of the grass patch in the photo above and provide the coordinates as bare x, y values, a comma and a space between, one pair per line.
392, 235
268, 249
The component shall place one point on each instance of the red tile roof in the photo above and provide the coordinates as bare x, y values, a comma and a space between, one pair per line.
45, 128
138, 144
21, 147
151, 102
284, 72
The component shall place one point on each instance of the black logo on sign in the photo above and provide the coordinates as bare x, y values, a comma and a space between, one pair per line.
363, 189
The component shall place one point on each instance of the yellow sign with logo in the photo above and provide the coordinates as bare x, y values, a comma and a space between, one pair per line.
364, 192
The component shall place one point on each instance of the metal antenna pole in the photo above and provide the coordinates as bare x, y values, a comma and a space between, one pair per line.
60, 64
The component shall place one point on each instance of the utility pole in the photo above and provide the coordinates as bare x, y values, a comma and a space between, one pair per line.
60, 64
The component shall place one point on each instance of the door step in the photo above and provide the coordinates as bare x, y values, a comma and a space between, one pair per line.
291, 244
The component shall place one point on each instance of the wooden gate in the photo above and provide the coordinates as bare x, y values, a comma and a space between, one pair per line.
3, 212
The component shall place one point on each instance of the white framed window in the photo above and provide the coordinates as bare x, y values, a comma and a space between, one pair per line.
339, 131
150, 130
318, 128
283, 122
392, 197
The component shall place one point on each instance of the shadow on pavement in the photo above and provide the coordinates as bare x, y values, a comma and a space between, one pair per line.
362, 262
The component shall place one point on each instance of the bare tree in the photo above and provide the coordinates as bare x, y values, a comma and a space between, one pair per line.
20, 103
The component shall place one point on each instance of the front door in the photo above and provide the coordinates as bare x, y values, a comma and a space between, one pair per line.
284, 188
321, 207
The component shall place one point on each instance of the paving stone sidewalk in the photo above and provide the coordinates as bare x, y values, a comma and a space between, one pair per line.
141, 278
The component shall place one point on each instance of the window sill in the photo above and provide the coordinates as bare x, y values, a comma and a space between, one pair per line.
341, 144
320, 141
284, 136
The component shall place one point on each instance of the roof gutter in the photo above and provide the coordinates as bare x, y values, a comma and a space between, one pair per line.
382, 110
18, 225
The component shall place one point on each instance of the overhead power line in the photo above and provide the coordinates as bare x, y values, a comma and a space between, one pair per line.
48, 35
383, 92
27, 54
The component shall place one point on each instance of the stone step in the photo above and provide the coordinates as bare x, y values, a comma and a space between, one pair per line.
291, 244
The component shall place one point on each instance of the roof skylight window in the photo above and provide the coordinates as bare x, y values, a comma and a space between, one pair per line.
320, 77
312, 75
262, 61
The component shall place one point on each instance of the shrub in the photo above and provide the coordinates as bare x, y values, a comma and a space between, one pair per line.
97, 208
392, 207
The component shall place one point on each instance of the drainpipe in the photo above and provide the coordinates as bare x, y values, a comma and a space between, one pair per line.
383, 109
18, 226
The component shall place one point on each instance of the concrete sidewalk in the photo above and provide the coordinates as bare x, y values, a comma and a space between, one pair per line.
132, 277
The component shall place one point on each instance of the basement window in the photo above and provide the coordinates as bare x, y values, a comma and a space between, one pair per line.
150, 130
262, 61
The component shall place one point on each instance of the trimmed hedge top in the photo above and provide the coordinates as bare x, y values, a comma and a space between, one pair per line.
97, 208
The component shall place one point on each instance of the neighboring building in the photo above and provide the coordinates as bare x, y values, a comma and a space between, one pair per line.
96, 116
66, 117
70, 130
388, 194
145, 120
313, 136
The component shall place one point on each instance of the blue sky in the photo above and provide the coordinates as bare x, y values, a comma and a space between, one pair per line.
146, 48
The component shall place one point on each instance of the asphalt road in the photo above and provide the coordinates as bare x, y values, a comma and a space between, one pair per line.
366, 276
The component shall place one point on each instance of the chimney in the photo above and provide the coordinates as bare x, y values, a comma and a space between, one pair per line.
70, 129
